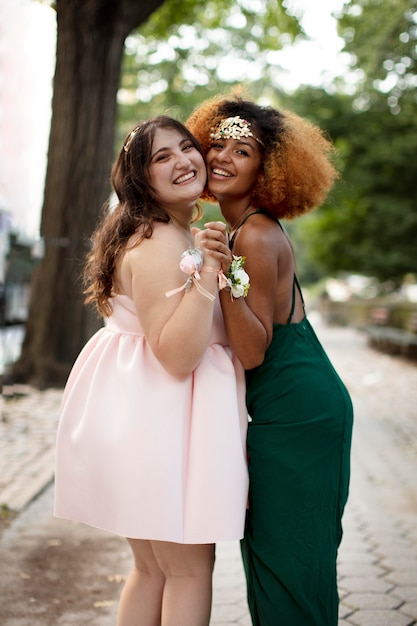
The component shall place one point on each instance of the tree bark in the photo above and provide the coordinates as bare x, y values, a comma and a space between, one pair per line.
90, 39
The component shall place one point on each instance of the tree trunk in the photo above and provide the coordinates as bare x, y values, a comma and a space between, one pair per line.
90, 41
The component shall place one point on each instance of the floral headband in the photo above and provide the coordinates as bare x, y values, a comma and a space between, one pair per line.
233, 128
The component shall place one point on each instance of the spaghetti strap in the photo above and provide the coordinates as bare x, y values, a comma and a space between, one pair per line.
295, 280
294, 285
299, 288
261, 211
292, 303
232, 239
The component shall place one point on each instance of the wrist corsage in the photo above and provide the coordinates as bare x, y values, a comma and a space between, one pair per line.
237, 278
191, 263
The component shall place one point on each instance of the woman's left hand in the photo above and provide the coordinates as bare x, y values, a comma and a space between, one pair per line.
213, 241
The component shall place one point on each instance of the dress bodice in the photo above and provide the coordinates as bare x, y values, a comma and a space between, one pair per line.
125, 320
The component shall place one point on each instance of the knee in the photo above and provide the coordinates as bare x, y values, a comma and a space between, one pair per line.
200, 566
145, 566
151, 574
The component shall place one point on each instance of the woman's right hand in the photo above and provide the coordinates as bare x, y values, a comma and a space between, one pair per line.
213, 241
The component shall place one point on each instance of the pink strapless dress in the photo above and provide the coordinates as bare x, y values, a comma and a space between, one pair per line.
145, 455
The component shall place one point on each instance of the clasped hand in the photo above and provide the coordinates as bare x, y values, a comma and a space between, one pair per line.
213, 241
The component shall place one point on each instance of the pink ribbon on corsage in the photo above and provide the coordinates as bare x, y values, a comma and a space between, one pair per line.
191, 263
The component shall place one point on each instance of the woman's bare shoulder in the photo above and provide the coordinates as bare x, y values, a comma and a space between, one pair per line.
145, 259
165, 239
258, 230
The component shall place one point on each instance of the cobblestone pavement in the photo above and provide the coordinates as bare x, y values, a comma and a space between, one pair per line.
27, 438
378, 556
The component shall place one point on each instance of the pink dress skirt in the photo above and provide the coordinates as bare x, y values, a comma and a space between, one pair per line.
144, 454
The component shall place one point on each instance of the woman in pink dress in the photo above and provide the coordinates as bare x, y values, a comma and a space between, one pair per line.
151, 439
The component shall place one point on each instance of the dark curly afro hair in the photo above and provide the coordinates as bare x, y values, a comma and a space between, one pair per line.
298, 172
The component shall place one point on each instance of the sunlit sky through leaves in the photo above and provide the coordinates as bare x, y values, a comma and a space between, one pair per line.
33, 24
318, 60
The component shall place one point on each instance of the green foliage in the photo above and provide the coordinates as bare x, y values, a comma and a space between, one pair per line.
382, 35
241, 16
211, 213
369, 223
190, 50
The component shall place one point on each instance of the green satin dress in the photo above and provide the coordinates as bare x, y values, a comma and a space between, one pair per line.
299, 441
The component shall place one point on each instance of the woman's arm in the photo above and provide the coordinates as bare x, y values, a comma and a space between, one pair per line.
178, 328
249, 320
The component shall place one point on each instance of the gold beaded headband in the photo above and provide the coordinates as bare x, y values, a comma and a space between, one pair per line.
233, 128
130, 139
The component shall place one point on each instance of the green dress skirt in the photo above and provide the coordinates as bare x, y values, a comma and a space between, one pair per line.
299, 442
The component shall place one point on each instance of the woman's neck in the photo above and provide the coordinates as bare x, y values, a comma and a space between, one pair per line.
182, 218
235, 213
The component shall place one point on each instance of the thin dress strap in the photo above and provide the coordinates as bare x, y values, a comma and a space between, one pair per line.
295, 281
294, 285
232, 239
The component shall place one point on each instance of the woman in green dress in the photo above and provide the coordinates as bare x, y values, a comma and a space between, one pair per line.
264, 165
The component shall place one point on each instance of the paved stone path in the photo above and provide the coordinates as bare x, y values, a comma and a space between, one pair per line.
378, 556
27, 439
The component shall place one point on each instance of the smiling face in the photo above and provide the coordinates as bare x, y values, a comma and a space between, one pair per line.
233, 167
177, 171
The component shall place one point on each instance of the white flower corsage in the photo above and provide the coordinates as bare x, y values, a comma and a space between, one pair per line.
191, 263
237, 279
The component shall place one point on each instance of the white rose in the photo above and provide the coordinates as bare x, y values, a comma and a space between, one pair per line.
242, 276
237, 291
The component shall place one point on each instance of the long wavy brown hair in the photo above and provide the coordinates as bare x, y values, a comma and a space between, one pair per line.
297, 158
136, 211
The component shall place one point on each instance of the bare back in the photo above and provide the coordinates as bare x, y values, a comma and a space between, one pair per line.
274, 269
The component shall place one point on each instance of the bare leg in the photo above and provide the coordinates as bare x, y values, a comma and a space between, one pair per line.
188, 571
141, 599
